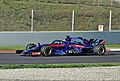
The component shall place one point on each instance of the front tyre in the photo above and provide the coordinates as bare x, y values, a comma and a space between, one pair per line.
46, 51
99, 50
29, 46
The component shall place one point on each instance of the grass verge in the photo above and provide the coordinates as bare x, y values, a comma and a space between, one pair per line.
112, 46
21, 66
12, 47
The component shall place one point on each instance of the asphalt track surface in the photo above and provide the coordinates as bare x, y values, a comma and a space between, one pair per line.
12, 58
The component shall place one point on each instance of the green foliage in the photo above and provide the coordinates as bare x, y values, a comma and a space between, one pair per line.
55, 15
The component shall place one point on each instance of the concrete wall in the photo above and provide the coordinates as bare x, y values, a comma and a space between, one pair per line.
23, 38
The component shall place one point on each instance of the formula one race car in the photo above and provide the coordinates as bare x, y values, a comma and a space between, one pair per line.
71, 45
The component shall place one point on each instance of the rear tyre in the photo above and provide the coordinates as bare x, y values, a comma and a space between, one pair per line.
46, 51
29, 46
99, 50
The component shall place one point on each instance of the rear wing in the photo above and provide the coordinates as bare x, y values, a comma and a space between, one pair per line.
95, 42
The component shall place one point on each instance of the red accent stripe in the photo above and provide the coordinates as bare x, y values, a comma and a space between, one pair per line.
56, 45
36, 53
77, 46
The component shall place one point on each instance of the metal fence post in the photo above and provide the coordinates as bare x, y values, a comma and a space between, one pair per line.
110, 20
94, 2
98, 3
78, 1
111, 2
32, 21
73, 16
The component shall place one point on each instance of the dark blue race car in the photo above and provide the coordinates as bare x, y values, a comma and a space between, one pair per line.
70, 46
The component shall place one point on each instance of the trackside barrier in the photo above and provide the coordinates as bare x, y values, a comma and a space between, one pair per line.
23, 38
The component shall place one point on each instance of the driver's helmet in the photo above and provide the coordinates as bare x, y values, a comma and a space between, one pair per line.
86, 41
68, 38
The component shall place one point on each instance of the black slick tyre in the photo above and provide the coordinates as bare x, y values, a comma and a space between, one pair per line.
29, 46
99, 50
46, 51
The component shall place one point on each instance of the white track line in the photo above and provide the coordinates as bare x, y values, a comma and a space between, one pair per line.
112, 49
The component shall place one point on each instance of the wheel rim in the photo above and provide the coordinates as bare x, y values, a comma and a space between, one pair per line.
101, 50
47, 51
